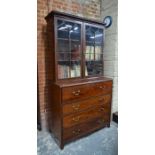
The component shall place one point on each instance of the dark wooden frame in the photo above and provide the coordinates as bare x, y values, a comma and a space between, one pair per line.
70, 16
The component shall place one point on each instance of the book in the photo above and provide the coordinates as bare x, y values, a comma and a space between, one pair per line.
60, 72
98, 52
86, 71
63, 71
75, 71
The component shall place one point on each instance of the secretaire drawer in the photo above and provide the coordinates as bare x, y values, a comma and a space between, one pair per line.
84, 128
84, 91
73, 107
73, 119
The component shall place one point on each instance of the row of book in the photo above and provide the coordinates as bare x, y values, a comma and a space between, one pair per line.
92, 49
93, 57
93, 53
65, 71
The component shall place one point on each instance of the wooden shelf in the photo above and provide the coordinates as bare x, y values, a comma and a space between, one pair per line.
68, 60
67, 52
94, 60
65, 39
94, 43
63, 30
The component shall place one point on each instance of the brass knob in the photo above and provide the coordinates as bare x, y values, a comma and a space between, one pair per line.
76, 107
76, 93
102, 87
101, 100
100, 121
101, 109
76, 132
76, 119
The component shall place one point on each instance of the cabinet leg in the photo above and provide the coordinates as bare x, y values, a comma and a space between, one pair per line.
50, 131
108, 125
61, 146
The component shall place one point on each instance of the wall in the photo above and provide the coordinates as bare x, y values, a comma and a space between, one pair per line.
83, 8
110, 8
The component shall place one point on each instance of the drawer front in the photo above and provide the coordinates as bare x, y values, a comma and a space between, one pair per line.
73, 119
87, 103
84, 128
84, 91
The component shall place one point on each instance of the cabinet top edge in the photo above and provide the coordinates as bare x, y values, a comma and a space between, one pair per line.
55, 13
83, 81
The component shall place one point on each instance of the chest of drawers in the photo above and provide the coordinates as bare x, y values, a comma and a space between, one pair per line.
79, 108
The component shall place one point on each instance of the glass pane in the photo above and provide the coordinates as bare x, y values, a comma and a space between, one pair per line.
63, 45
68, 49
94, 51
99, 37
75, 51
63, 71
89, 68
98, 49
63, 56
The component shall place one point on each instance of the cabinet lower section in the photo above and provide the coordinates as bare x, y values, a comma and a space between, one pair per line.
80, 108
84, 129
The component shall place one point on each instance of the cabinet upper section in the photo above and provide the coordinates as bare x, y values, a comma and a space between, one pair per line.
76, 46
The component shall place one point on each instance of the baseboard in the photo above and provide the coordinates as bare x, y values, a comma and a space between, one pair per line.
38, 126
115, 117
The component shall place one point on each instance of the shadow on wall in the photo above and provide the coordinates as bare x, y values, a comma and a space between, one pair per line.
43, 118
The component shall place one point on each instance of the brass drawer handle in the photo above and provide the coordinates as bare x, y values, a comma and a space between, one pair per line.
102, 87
102, 100
76, 119
76, 93
101, 109
101, 121
76, 132
76, 107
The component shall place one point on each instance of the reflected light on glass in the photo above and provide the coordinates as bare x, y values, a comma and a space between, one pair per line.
71, 31
69, 26
62, 28
65, 27
98, 35
75, 28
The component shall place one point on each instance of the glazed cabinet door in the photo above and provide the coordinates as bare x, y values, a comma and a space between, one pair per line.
68, 48
93, 51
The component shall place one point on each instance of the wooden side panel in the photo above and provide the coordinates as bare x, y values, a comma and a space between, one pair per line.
49, 55
56, 112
